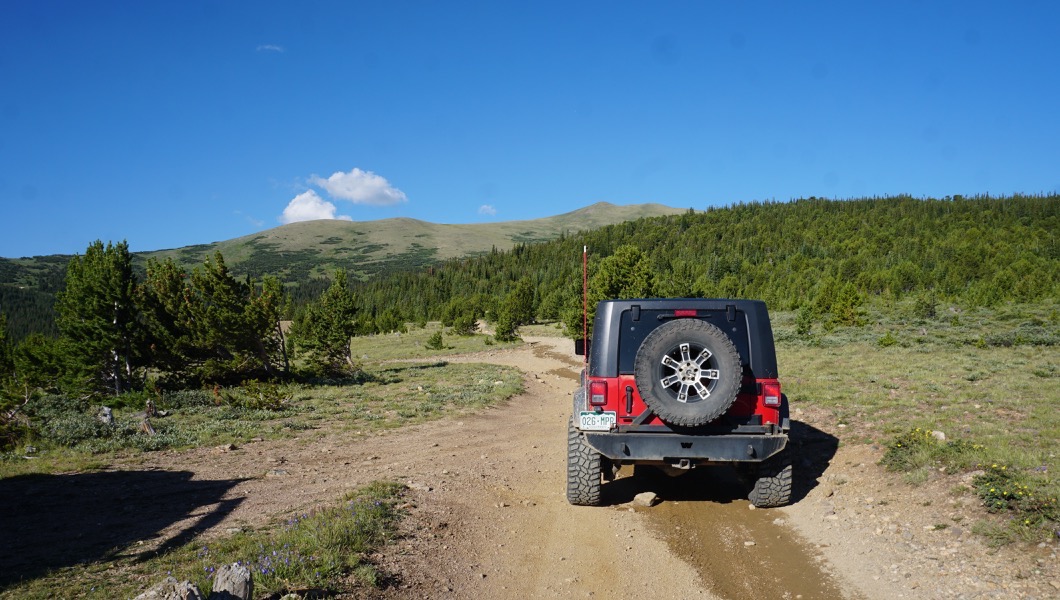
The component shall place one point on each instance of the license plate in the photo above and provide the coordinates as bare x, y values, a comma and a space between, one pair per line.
594, 421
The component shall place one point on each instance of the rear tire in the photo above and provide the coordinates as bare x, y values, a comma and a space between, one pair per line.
584, 470
772, 482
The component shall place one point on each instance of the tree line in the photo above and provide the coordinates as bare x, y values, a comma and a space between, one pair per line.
120, 332
810, 253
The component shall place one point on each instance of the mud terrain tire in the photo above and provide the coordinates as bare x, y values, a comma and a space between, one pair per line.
584, 470
688, 372
772, 482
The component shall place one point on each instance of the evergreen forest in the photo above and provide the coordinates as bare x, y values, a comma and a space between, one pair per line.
972, 252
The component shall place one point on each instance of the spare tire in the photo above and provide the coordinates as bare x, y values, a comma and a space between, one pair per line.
688, 372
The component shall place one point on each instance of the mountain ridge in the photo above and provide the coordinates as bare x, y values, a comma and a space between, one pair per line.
314, 248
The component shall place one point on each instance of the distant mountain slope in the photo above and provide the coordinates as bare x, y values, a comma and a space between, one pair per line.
313, 248
299, 251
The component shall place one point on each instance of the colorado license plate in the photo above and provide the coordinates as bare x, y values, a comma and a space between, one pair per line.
594, 421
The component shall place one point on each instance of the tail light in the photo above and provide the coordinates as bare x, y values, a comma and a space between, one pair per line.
598, 393
771, 393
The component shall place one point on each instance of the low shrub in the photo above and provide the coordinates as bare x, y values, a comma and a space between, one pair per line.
188, 398
1003, 489
257, 395
435, 341
919, 447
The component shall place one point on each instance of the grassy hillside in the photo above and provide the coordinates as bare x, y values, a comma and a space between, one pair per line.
315, 248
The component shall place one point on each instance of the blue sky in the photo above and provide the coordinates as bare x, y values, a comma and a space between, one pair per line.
177, 123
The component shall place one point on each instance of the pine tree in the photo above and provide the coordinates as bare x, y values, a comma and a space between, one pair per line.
164, 299
328, 325
97, 316
521, 302
625, 274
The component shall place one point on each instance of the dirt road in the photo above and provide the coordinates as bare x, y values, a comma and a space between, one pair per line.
488, 516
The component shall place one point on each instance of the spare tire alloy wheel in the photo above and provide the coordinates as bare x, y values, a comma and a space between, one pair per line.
688, 372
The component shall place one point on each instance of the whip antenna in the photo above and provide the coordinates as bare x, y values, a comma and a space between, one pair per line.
585, 303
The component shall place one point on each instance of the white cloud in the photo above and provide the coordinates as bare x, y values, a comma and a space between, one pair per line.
360, 187
271, 48
487, 209
308, 206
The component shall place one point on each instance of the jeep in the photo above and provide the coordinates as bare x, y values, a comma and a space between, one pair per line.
676, 384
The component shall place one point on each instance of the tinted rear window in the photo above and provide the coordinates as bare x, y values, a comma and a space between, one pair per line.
634, 332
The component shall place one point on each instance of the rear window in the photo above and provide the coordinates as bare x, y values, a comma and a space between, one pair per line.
634, 332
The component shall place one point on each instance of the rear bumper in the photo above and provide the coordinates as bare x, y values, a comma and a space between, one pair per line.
670, 447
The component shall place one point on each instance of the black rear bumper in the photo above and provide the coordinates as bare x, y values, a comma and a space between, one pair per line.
671, 447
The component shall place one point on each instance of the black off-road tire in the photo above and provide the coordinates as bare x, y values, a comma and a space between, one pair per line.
688, 372
772, 483
584, 470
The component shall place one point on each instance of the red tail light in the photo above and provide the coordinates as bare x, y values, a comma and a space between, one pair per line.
598, 393
771, 393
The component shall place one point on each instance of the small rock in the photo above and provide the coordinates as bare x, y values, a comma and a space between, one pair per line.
938, 435
276, 473
749, 543
646, 499
420, 487
171, 589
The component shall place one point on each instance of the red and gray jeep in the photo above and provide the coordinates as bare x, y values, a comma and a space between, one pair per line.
678, 383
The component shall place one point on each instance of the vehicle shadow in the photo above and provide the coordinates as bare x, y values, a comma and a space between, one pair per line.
49, 522
814, 450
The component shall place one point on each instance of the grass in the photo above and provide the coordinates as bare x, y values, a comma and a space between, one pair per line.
324, 551
987, 379
414, 344
388, 396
